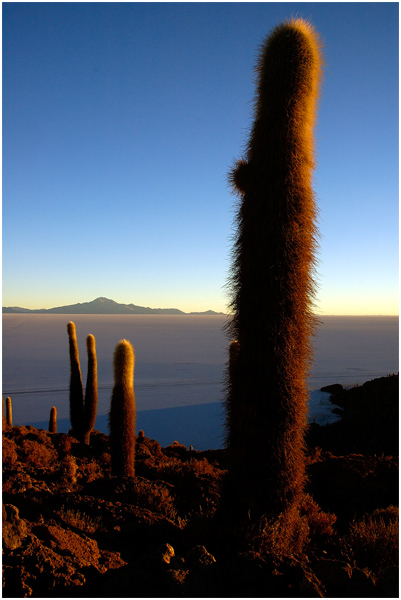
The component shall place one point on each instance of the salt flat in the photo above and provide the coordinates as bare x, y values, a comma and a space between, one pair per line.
179, 359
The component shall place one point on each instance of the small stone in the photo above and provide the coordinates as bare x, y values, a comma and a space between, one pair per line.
163, 554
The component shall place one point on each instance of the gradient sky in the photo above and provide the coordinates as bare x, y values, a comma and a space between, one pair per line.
121, 120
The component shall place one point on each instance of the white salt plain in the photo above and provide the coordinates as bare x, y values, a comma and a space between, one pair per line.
179, 368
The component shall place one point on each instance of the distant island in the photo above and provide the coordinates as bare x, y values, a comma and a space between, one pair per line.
104, 306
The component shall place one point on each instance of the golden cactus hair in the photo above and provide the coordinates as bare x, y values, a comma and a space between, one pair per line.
53, 420
91, 393
122, 414
271, 280
76, 389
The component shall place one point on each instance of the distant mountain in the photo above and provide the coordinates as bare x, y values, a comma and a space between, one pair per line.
104, 306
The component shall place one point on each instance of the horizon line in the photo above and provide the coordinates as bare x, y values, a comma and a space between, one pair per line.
316, 314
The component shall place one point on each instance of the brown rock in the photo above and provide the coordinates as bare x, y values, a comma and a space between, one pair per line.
38, 568
161, 556
83, 550
199, 557
14, 528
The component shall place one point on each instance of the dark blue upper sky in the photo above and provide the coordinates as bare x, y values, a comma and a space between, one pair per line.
121, 120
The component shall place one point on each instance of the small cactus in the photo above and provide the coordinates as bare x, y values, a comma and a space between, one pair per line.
76, 389
9, 412
90, 406
141, 433
122, 414
53, 420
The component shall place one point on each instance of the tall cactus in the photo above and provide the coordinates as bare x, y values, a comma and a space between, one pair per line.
9, 412
122, 414
53, 420
90, 406
76, 388
82, 413
271, 279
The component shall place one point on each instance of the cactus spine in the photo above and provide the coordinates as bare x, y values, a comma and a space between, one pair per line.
9, 412
271, 278
122, 414
90, 406
76, 389
53, 420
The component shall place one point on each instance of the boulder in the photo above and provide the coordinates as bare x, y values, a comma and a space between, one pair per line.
14, 528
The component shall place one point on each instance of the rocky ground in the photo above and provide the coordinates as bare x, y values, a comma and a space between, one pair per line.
70, 529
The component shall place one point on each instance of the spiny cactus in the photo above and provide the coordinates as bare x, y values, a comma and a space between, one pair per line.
90, 406
234, 431
271, 279
122, 414
53, 420
82, 413
9, 412
76, 388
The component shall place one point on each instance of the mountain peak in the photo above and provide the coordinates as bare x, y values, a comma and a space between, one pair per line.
104, 306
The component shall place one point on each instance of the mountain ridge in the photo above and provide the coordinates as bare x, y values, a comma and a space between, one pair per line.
103, 306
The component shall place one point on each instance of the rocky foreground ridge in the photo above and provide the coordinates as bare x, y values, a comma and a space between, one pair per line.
70, 529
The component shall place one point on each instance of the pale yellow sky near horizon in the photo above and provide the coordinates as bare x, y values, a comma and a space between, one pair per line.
348, 307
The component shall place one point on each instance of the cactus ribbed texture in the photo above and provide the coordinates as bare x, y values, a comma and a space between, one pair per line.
90, 406
53, 420
122, 414
271, 279
76, 389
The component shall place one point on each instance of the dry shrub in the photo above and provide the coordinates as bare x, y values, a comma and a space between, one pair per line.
320, 523
170, 466
174, 466
372, 542
63, 444
36, 454
154, 496
69, 470
90, 471
80, 520
200, 467
9, 451
285, 536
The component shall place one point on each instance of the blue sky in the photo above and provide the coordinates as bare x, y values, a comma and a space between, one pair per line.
121, 121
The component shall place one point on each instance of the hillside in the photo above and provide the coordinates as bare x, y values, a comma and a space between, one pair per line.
104, 306
71, 529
